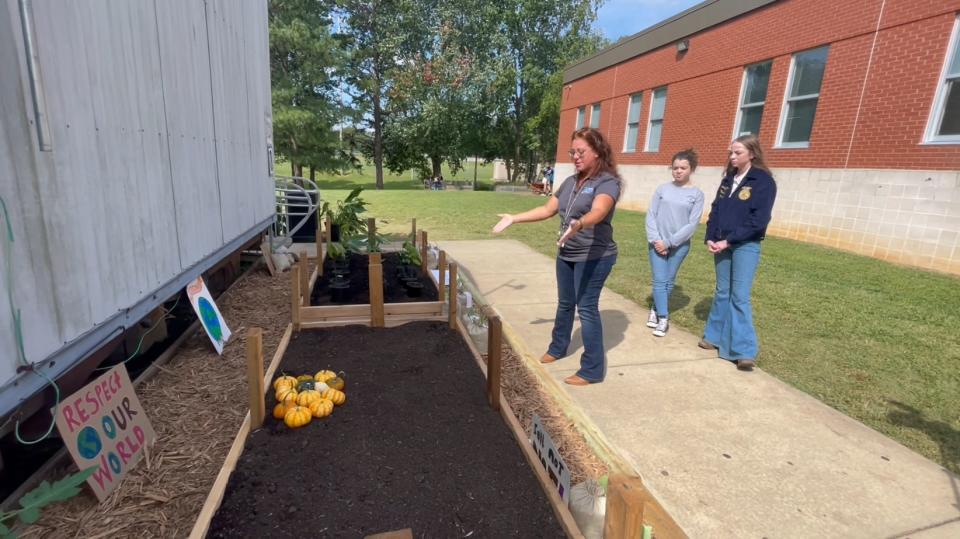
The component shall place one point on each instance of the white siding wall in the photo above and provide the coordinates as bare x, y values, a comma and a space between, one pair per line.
159, 116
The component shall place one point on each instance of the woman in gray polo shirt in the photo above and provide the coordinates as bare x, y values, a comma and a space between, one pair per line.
586, 251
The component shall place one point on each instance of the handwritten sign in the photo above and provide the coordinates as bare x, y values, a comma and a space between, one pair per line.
104, 425
550, 459
209, 314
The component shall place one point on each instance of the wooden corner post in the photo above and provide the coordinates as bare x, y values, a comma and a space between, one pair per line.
371, 233
413, 230
255, 376
319, 241
295, 296
329, 225
453, 295
441, 275
631, 508
375, 270
424, 250
304, 279
494, 348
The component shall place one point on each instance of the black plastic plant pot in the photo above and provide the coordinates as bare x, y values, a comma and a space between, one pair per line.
341, 267
339, 289
408, 273
414, 288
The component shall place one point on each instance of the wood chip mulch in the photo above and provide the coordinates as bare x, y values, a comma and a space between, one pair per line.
526, 397
196, 404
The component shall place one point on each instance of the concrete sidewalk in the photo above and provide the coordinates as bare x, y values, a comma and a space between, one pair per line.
727, 453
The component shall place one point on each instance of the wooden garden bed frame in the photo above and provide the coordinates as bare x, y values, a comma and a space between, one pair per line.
376, 313
630, 506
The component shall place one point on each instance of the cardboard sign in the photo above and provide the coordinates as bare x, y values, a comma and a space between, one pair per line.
104, 425
550, 459
209, 314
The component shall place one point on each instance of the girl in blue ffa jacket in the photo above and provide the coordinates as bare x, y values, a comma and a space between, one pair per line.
737, 224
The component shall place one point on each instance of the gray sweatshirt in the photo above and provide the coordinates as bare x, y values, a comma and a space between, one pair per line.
674, 214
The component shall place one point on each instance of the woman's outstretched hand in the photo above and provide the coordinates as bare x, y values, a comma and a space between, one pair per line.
572, 229
505, 221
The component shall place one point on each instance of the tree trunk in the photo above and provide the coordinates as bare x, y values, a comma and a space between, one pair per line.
435, 162
296, 169
377, 131
475, 159
508, 164
313, 174
517, 133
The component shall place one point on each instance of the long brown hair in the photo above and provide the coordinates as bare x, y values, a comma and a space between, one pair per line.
598, 143
752, 144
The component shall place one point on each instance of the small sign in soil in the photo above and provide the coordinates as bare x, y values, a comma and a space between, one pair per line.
414, 446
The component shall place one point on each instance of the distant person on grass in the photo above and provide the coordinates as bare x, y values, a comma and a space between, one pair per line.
736, 226
672, 218
586, 251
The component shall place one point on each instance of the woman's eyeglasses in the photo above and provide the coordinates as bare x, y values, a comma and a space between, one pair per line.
577, 153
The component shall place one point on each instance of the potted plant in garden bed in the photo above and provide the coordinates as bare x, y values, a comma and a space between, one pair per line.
345, 218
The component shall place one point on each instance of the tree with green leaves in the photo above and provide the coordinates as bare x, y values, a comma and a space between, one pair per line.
304, 59
379, 38
537, 40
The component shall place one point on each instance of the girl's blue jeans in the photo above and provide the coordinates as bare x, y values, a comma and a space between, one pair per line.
664, 269
730, 323
578, 289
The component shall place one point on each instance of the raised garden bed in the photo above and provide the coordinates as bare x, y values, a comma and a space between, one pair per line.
358, 293
415, 446
375, 281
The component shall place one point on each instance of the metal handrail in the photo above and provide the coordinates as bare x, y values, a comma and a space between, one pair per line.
294, 191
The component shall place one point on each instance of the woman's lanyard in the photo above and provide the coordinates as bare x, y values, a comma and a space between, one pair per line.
564, 222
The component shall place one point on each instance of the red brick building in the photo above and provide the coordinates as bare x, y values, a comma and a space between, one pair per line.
856, 103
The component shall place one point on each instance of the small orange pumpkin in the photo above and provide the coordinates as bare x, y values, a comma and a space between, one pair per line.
307, 397
286, 394
280, 410
324, 375
337, 382
338, 397
321, 407
297, 416
288, 381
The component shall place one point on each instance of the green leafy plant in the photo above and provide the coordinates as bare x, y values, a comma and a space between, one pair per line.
32, 502
336, 251
346, 214
409, 255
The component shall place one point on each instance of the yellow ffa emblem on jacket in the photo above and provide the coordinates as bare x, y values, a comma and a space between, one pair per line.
744, 193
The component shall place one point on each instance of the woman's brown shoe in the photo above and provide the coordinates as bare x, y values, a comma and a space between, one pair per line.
575, 380
547, 358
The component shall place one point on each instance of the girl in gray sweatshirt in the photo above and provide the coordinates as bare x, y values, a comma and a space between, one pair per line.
672, 218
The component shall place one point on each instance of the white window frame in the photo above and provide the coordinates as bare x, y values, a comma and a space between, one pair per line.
595, 112
938, 107
741, 105
787, 99
581, 116
626, 131
651, 120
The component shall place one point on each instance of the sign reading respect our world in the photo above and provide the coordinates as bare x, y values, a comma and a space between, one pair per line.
103, 425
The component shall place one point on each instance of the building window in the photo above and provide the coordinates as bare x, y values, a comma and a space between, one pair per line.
655, 128
803, 92
753, 95
595, 116
633, 122
581, 112
944, 124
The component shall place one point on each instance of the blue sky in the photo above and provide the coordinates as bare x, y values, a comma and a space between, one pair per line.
618, 18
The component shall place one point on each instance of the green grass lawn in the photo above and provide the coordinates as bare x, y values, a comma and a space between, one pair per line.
876, 341
366, 177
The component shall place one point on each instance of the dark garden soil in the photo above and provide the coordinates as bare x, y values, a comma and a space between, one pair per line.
414, 446
359, 290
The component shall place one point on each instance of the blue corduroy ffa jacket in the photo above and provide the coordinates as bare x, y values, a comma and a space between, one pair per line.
744, 216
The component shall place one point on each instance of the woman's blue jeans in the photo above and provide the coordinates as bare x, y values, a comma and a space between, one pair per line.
578, 289
664, 269
730, 324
